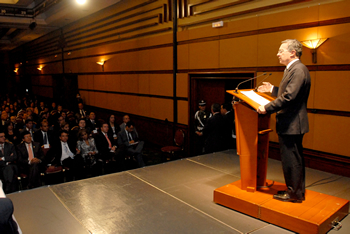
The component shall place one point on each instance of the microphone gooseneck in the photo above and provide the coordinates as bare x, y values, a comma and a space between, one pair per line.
256, 87
236, 90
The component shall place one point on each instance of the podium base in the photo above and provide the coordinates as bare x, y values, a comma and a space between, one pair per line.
316, 214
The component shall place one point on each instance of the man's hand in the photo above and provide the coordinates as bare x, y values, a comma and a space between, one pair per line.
265, 88
130, 142
199, 133
34, 160
261, 110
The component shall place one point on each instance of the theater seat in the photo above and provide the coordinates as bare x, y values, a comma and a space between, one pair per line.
178, 146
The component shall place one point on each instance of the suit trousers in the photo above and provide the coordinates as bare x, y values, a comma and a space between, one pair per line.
136, 150
293, 164
9, 175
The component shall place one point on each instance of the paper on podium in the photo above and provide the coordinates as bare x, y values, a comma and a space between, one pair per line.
255, 97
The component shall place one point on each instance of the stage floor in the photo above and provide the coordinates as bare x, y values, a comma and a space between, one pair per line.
174, 197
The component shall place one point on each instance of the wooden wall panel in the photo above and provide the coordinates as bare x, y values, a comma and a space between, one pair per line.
204, 55
332, 90
334, 50
92, 98
239, 52
338, 9
331, 134
90, 81
162, 109
182, 114
305, 15
43, 91
161, 59
113, 83
130, 104
85, 96
203, 32
182, 85
99, 82
144, 83
240, 25
183, 56
145, 106
161, 84
82, 82
129, 83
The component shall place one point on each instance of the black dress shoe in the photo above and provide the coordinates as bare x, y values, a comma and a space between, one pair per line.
286, 191
285, 197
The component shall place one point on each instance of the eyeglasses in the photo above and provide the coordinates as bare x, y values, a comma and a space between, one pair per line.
280, 51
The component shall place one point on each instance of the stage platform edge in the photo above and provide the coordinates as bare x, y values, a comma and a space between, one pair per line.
314, 215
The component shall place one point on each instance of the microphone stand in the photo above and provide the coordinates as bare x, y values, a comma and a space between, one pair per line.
256, 87
236, 90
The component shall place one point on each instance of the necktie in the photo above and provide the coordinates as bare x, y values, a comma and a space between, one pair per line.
30, 152
130, 137
68, 152
45, 138
2, 149
82, 113
109, 142
285, 74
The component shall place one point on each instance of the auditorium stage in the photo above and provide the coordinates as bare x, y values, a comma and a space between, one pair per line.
174, 197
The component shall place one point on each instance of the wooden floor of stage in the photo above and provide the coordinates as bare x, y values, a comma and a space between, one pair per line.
174, 197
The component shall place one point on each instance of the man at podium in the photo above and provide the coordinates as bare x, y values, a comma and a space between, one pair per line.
292, 122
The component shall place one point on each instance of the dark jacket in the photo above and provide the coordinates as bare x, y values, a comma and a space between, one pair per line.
291, 102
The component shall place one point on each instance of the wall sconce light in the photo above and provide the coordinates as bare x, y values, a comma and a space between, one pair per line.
16, 70
102, 63
40, 68
313, 45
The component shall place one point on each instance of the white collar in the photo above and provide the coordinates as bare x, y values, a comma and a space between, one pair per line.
291, 62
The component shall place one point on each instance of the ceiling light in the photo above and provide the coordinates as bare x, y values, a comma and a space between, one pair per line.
81, 2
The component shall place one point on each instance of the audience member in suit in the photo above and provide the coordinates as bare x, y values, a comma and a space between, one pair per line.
44, 136
8, 168
64, 153
113, 128
7, 224
91, 122
214, 131
81, 113
108, 149
130, 139
11, 134
292, 121
3, 119
28, 127
16, 126
126, 119
229, 118
30, 159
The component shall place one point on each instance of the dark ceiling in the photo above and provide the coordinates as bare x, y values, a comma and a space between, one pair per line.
22, 21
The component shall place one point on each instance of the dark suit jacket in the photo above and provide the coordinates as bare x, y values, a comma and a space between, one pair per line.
291, 101
55, 153
7, 224
22, 153
38, 137
102, 143
214, 133
10, 154
123, 138
91, 125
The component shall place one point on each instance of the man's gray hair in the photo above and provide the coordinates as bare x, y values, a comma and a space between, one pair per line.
294, 44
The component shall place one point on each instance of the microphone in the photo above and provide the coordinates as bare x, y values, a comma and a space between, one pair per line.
236, 90
256, 87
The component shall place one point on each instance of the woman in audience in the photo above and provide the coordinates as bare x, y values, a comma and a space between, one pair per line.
11, 134
87, 148
113, 127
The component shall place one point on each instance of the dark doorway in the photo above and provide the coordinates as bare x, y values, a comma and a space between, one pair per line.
212, 88
65, 89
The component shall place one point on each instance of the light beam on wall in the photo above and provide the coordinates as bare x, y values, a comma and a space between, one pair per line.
313, 45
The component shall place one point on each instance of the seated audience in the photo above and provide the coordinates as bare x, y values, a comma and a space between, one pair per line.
28, 127
108, 149
126, 119
64, 153
30, 159
87, 148
44, 136
8, 168
11, 134
91, 122
113, 128
130, 139
81, 113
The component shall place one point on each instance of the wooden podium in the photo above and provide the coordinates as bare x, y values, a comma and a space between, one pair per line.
253, 194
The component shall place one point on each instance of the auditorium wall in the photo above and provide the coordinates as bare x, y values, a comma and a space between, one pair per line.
134, 39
